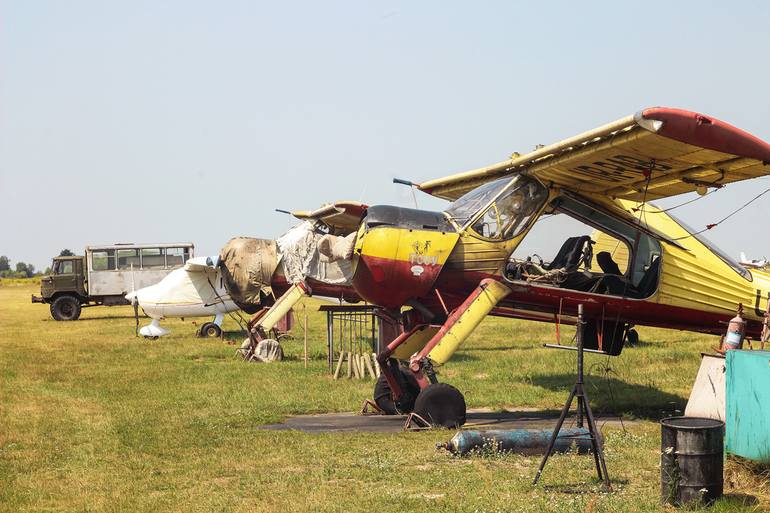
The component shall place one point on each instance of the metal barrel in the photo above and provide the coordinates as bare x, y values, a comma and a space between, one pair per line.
520, 441
691, 460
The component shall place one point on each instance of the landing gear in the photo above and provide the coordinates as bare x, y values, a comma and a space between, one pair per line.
437, 404
440, 405
409, 388
632, 337
210, 330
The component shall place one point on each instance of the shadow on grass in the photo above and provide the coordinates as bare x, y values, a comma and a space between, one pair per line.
591, 485
610, 395
234, 336
109, 317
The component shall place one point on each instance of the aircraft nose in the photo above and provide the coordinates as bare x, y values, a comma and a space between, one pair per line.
131, 297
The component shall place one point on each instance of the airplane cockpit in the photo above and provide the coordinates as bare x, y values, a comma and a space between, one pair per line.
616, 258
508, 206
612, 255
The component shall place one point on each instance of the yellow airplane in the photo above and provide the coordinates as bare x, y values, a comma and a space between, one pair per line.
634, 264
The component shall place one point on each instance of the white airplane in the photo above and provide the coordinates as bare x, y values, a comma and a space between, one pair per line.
195, 290
752, 264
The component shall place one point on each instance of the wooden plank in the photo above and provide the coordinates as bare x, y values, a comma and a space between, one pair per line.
376, 365
350, 365
368, 361
356, 365
339, 365
304, 329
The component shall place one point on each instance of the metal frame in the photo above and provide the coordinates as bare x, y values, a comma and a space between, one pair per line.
348, 327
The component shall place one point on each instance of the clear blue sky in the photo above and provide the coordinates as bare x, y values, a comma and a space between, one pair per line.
182, 120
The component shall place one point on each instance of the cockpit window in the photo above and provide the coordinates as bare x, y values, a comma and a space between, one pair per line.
509, 205
464, 207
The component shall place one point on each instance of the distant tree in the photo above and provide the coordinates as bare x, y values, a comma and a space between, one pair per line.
24, 269
5, 264
66, 252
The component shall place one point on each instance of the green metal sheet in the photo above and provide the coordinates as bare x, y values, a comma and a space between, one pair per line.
748, 404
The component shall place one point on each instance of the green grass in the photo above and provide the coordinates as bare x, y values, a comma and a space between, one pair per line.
94, 419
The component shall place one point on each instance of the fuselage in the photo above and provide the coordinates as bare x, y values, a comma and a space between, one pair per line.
185, 293
403, 255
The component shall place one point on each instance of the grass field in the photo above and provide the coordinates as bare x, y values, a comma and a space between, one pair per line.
94, 419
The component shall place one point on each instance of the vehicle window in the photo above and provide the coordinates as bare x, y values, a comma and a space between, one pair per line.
63, 267
177, 256
128, 258
103, 260
512, 211
153, 258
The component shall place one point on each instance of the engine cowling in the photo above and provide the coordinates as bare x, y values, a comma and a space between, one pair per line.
399, 253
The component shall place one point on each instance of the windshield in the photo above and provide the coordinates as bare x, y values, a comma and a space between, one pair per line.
471, 202
509, 205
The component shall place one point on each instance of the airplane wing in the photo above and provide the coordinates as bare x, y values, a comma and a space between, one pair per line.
656, 153
342, 216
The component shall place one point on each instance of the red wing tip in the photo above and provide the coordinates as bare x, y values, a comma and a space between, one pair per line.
704, 131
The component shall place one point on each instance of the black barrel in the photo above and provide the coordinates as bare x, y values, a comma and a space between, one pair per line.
691, 458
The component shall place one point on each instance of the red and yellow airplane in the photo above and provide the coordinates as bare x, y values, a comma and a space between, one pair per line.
635, 265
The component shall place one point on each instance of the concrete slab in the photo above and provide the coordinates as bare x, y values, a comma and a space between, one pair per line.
476, 419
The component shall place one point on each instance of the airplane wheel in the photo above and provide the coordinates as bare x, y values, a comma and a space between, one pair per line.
442, 405
210, 330
632, 337
384, 400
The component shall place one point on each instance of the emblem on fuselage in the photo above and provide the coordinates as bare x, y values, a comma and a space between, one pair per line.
419, 258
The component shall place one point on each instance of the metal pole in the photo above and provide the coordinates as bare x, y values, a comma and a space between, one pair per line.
304, 310
579, 339
330, 339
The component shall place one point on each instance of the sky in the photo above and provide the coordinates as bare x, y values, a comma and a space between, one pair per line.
165, 121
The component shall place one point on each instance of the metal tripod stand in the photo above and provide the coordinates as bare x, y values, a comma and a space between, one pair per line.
583, 409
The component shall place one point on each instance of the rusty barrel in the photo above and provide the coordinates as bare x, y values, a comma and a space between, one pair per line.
691, 459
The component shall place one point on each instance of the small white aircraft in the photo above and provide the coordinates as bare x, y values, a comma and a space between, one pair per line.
195, 290
752, 264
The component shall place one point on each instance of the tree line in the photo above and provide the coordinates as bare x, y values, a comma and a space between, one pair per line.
23, 269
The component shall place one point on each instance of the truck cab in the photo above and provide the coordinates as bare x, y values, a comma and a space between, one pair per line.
65, 288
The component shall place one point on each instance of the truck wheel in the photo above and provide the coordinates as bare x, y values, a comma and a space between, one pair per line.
65, 308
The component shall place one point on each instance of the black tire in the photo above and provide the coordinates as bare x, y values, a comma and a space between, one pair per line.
65, 308
210, 330
384, 400
632, 337
442, 405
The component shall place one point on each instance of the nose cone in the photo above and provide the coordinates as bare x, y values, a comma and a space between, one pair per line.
132, 297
